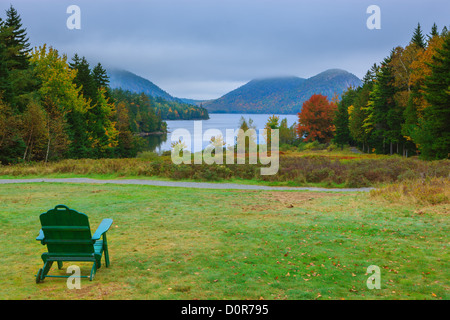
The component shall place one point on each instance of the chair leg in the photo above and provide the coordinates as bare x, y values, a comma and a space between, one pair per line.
106, 257
105, 250
60, 265
93, 270
39, 276
46, 268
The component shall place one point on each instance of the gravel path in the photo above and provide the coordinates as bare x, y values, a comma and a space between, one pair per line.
355, 150
199, 185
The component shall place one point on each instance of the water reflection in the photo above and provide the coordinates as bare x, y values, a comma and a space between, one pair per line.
154, 142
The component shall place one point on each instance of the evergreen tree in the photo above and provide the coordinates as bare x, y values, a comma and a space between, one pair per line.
356, 116
418, 37
5, 91
84, 79
434, 32
383, 113
102, 131
100, 76
14, 62
17, 41
288, 135
341, 122
371, 74
79, 147
435, 139
101, 80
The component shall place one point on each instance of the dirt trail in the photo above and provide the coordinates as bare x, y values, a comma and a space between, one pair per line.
182, 184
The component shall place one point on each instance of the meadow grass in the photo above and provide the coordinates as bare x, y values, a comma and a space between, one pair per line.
177, 243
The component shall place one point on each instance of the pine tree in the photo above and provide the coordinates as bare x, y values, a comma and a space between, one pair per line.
434, 32
101, 127
100, 76
418, 37
435, 139
341, 121
101, 80
357, 113
17, 41
383, 113
14, 62
4, 83
84, 79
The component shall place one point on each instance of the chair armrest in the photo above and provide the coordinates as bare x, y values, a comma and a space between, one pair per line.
41, 236
102, 228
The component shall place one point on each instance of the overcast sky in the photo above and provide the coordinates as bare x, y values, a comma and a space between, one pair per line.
202, 49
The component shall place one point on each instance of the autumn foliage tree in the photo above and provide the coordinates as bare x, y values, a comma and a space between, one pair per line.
316, 119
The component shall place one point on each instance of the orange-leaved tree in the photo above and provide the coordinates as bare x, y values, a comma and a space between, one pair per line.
316, 119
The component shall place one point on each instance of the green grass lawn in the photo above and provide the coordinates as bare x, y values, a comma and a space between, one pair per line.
175, 243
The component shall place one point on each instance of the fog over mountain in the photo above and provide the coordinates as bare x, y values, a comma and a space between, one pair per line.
283, 94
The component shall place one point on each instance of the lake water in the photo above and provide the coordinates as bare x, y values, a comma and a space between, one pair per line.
217, 121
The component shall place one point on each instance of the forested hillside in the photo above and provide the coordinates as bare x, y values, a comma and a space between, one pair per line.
171, 108
139, 104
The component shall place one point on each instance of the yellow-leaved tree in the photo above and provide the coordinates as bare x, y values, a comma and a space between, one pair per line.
64, 106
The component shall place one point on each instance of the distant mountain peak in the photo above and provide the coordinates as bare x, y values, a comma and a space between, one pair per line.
282, 94
290, 77
334, 73
126, 80
129, 81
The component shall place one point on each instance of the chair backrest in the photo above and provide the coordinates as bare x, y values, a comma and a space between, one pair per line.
66, 231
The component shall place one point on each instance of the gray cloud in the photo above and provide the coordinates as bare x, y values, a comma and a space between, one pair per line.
204, 48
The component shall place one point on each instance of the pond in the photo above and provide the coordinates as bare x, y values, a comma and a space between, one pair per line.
217, 121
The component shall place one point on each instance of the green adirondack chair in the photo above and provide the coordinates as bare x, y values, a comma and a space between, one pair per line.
67, 235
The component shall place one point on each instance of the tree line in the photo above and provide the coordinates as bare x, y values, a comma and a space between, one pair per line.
402, 107
166, 110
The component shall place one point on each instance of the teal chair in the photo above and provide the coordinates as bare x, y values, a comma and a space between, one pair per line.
67, 235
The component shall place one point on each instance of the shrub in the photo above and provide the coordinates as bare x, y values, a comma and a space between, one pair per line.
356, 179
421, 191
147, 155
318, 175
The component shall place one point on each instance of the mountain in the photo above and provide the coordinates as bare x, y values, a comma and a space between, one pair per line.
127, 86
125, 80
128, 81
283, 95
